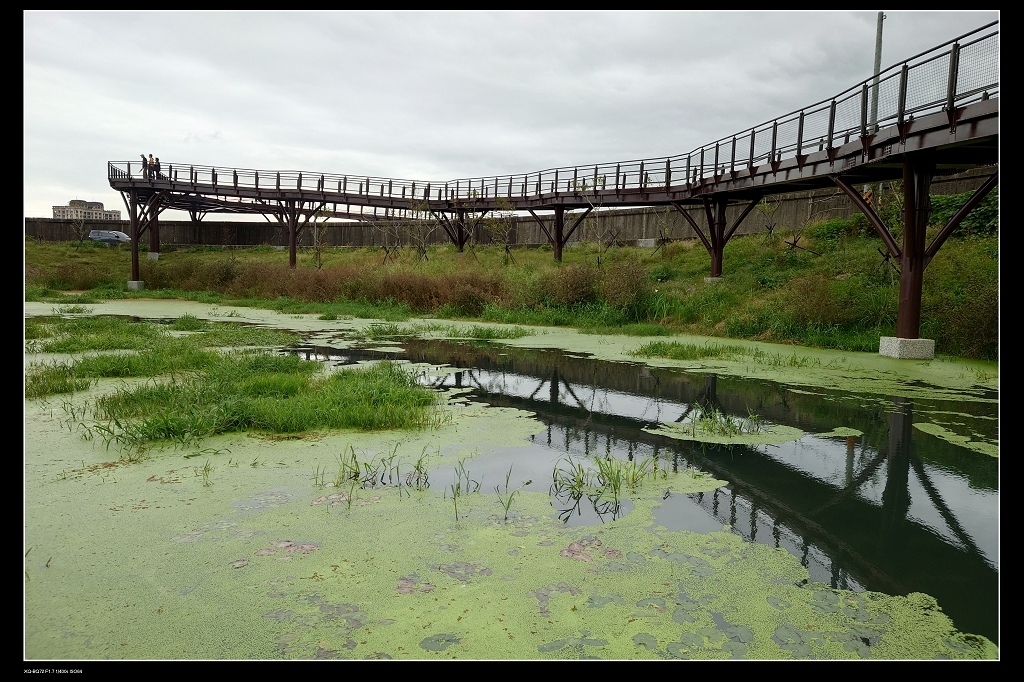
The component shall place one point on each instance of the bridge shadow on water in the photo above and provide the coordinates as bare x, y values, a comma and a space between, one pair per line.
894, 509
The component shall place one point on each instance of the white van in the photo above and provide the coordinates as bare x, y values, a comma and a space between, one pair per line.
109, 237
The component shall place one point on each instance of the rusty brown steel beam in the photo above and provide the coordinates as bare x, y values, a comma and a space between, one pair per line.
917, 178
869, 213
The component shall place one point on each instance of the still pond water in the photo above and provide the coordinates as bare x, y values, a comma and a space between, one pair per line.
894, 508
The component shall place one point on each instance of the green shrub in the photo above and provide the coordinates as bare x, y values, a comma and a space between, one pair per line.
983, 220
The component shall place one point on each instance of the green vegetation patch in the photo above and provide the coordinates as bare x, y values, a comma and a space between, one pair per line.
678, 350
985, 448
258, 391
386, 330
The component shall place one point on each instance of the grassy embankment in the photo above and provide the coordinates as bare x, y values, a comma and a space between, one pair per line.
828, 288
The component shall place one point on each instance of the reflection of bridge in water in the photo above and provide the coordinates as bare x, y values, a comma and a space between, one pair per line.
888, 511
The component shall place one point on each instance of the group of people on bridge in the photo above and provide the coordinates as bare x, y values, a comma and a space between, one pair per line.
151, 167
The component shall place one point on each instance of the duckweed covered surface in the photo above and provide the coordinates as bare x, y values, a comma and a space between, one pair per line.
239, 550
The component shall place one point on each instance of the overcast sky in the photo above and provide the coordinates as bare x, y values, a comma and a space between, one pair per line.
424, 95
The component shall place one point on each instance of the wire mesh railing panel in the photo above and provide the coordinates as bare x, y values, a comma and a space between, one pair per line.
927, 85
979, 62
888, 98
815, 128
848, 113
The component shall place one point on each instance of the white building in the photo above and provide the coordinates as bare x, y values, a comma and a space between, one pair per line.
84, 210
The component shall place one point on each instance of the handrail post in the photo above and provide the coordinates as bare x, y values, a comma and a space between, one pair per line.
831, 122
750, 158
800, 135
904, 73
864, 111
951, 83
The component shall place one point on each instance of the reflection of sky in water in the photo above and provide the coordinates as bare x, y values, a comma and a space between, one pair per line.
821, 458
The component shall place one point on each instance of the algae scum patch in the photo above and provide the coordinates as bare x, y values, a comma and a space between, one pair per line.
347, 545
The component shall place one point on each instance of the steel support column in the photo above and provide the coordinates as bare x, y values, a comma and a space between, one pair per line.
154, 229
293, 231
917, 179
559, 226
133, 203
462, 233
715, 210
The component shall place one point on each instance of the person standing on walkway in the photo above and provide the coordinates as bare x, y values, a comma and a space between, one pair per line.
156, 168
145, 167
152, 167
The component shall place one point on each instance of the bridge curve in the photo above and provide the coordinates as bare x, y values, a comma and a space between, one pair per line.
932, 114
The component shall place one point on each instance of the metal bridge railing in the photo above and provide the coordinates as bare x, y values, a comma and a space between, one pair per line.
958, 72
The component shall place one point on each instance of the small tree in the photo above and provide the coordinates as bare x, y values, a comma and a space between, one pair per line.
500, 225
318, 231
419, 228
79, 230
389, 231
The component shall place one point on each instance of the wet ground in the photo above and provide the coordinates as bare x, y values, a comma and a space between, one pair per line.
860, 522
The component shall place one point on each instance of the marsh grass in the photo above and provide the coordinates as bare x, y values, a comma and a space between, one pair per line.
506, 497
677, 350
194, 392
712, 421
71, 309
99, 333
380, 331
419, 476
608, 478
45, 380
152, 350
189, 323
463, 485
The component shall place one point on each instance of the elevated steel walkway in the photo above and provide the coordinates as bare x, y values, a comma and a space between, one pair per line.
934, 113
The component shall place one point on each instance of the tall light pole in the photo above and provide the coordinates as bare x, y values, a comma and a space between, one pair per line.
874, 99
878, 68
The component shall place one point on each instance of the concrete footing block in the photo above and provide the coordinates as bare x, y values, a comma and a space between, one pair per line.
136, 285
907, 349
